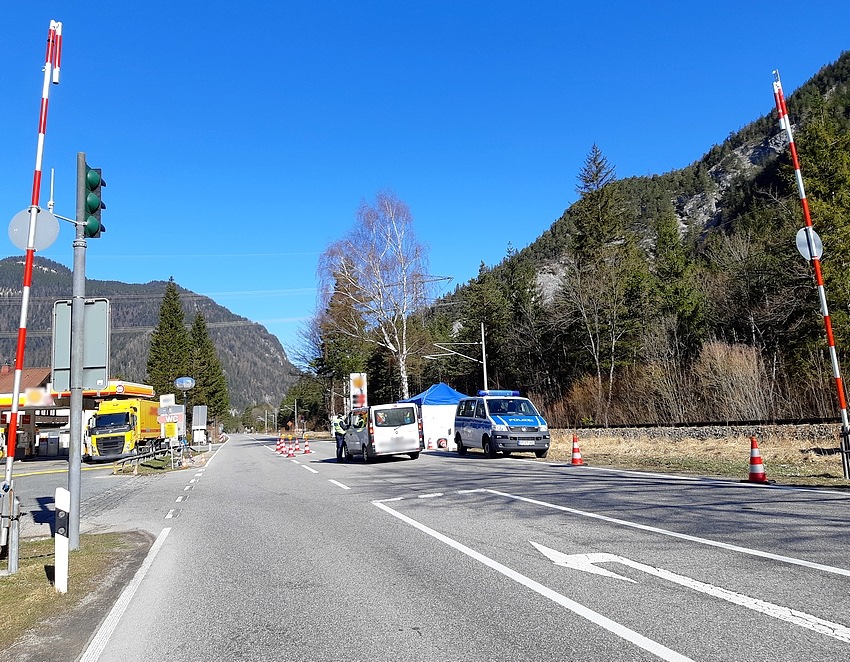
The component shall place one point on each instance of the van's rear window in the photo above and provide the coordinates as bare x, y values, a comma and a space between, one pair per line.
392, 418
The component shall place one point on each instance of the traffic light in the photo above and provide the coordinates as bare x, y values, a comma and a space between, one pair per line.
93, 202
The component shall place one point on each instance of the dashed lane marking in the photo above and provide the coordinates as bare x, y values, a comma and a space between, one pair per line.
338, 484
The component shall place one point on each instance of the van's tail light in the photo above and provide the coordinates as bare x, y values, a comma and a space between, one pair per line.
371, 431
421, 434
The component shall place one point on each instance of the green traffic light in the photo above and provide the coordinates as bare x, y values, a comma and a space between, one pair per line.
92, 228
93, 203
92, 179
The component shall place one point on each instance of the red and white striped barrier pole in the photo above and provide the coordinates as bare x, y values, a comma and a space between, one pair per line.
51, 74
785, 123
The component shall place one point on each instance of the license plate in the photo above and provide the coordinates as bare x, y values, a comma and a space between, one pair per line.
525, 442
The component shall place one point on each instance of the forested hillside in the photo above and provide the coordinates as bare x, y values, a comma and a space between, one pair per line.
253, 360
673, 298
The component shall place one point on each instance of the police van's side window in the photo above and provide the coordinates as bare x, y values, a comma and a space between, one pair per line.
479, 410
468, 408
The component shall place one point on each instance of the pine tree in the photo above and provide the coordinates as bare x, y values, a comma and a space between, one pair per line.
168, 358
599, 216
210, 382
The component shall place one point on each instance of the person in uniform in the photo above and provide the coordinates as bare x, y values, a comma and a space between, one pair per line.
339, 433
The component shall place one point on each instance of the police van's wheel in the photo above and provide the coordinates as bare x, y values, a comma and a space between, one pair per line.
542, 453
489, 448
461, 449
414, 456
348, 455
366, 457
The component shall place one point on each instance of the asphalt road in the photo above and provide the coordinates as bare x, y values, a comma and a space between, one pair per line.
262, 557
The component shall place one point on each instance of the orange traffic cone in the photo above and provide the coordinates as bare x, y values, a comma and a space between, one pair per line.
757, 474
297, 445
306, 445
279, 448
290, 452
576, 459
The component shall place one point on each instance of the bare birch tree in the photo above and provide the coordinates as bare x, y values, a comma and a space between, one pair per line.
379, 270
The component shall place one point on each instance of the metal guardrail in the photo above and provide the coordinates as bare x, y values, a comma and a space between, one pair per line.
175, 450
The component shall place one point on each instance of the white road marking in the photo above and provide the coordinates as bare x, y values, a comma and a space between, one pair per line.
188, 487
99, 641
199, 474
615, 628
309, 468
682, 536
585, 563
181, 498
701, 479
430, 496
194, 480
173, 513
338, 484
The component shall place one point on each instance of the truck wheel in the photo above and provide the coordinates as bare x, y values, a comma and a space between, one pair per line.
489, 448
461, 449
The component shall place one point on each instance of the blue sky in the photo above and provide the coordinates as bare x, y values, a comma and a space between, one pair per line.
238, 139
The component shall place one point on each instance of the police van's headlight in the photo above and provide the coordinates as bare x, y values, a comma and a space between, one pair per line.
500, 428
544, 428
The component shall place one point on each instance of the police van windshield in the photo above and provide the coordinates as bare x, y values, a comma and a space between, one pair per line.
511, 407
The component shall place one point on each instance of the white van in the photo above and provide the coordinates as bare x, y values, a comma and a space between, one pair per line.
383, 430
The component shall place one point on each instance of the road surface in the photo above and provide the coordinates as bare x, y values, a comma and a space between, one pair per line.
263, 557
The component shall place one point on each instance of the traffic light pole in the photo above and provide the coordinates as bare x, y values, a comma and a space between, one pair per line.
78, 303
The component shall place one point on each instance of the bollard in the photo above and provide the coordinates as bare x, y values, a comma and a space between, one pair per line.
14, 536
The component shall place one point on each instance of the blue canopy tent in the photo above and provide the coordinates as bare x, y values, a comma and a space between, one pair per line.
437, 405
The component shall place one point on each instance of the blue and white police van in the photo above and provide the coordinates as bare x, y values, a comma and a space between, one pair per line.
500, 421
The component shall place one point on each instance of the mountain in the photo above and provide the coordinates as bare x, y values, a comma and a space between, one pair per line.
253, 360
676, 297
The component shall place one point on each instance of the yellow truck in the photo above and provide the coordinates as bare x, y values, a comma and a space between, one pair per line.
121, 428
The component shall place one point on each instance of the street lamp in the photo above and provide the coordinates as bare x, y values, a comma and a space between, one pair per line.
185, 384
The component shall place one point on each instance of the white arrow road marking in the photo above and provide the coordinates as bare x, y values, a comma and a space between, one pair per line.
619, 630
681, 536
585, 563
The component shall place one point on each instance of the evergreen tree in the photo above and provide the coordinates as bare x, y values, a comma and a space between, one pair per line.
599, 216
210, 382
169, 356
674, 288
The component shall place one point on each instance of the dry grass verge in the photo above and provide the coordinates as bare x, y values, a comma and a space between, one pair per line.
29, 602
787, 461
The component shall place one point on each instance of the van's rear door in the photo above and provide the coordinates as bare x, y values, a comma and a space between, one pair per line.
395, 429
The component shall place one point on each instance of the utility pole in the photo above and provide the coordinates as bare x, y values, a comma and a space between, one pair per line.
78, 303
